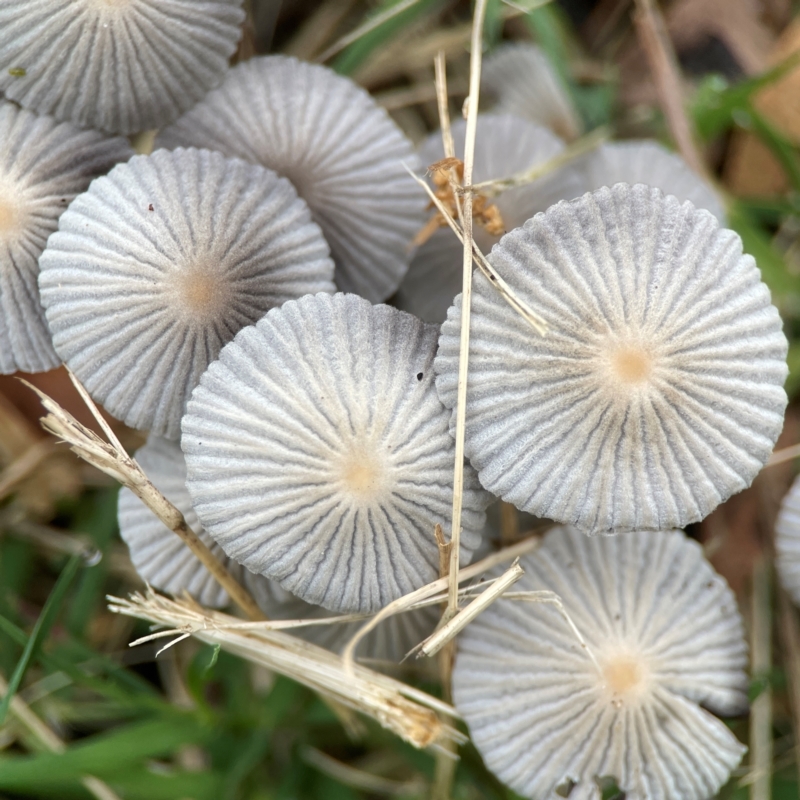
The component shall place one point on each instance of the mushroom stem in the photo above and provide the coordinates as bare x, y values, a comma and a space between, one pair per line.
114, 461
461, 403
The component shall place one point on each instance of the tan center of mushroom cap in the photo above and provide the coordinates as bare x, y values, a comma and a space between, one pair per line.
201, 293
624, 675
9, 217
631, 364
362, 474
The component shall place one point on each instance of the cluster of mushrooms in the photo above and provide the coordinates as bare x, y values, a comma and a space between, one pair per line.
225, 293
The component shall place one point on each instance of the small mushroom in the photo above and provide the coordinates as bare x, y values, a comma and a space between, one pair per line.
787, 541
648, 162
519, 80
662, 641
657, 392
167, 564
118, 65
43, 165
160, 263
343, 153
318, 456
505, 146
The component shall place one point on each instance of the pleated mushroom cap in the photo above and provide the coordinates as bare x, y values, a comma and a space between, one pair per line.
518, 79
168, 565
319, 455
505, 146
43, 165
787, 541
160, 263
668, 639
118, 65
341, 151
657, 392
648, 162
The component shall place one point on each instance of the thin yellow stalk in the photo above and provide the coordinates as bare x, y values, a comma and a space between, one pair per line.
466, 301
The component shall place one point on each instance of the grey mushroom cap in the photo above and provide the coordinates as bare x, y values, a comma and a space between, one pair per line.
518, 79
787, 542
343, 153
123, 66
160, 263
319, 454
43, 165
505, 146
168, 565
648, 162
657, 392
663, 642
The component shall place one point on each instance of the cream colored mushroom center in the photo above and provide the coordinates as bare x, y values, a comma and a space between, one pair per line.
202, 293
624, 675
9, 217
362, 474
631, 364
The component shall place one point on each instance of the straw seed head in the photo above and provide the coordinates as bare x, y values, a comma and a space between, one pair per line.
667, 638
658, 390
160, 263
43, 165
117, 65
342, 152
505, 146
319, 455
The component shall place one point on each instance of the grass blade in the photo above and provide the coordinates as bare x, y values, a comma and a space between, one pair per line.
40, 630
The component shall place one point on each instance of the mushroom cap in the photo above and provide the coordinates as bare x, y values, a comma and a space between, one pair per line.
167, 564
343, 153
521, 81
159, 555
505, 145
43, 165
648, 162
787, 541
319, 455
160, 263
658, 390
118, 65
667, 637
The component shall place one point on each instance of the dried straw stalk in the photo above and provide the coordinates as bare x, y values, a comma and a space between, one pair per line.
413, 715
110, 457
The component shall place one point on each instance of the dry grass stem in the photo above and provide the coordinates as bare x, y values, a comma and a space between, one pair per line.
22, 712
471, 109
657, 45
760, 776
578, 148
538, 323
429, 594
785, 454
369, 25
443, 103
316, 30
24, 465
110, 457
447, 632
413, 715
